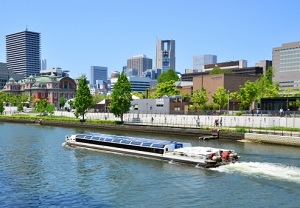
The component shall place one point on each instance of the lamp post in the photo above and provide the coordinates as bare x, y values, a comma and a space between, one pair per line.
228, 102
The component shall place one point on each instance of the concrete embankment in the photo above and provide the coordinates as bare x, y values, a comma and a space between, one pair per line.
196, 132
273, 139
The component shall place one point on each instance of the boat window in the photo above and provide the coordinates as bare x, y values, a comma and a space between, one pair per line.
108, 139
146, 144
80, 136
88, 137
95, 138
124, 141
102, 138
136, 143
117, 140
158, 145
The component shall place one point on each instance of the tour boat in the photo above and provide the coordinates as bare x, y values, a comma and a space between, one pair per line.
171, 151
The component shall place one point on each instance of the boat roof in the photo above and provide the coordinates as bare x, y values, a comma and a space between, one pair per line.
128, 140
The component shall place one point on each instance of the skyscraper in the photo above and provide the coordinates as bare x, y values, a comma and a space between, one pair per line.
43, 64
200, 61
23, 53
165, 55
98, 73
286, 65
140, 63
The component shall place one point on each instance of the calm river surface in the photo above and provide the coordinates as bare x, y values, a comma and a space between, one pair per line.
37, 171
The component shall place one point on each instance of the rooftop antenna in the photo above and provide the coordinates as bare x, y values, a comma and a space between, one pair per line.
26, 28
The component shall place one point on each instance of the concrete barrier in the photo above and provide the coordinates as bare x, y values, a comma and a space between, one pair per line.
273, 139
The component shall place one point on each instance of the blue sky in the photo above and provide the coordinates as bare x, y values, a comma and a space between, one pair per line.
76, 34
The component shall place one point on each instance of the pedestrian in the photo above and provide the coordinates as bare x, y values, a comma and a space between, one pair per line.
281, 112
152, 119
288, 113
198, 122
221, 121
217, 122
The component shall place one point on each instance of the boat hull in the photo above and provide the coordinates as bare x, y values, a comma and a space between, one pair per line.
162, 157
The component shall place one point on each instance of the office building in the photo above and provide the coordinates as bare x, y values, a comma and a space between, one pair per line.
165, 55
23, 53
139, 63
98, 73
200, 61
43, 64
286, 65
138, 84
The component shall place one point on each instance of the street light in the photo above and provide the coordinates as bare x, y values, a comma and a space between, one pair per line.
228, 102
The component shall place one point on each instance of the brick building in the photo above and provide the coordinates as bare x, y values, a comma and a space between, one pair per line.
48, 87
231, 82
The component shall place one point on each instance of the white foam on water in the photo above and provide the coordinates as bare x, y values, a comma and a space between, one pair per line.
266, 170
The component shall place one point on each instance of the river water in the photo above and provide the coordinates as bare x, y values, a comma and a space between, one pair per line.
37, 171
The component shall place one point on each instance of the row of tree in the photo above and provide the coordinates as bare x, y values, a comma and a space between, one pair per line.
121, 96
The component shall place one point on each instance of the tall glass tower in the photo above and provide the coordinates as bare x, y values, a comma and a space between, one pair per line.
165, 55
201, 60
98, 73
23, 53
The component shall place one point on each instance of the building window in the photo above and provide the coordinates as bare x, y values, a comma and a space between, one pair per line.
159, 105
55, 95
176, 108
42, 95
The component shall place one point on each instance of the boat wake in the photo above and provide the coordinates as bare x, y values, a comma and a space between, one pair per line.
266, 170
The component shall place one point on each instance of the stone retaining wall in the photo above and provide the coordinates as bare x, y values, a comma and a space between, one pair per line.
273, 139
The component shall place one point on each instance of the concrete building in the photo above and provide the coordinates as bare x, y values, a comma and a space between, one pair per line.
264, 64
226, 65
139, 63
165, 105
286, 65
165, 55
5, 74
23, 53
201, 60
242, 71
98, 73
57, 71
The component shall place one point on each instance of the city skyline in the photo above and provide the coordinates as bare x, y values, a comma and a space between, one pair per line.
100, 34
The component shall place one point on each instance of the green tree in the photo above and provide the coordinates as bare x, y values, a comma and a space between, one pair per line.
166, 89
41, 105
20, 106
139, 94
83, 98
168, 76
247, 94
186, 97
218, 70
220, 97
266, 87
50, 108
98, 98
1, 106
62, 102
199, 98
121, 97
